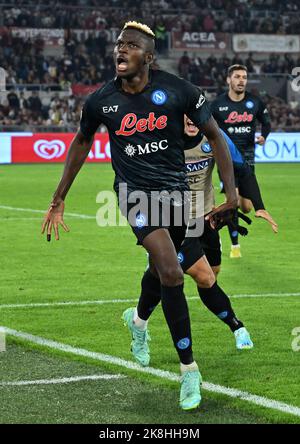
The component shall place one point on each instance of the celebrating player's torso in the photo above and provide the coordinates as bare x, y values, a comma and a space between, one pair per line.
145, 129
238, 120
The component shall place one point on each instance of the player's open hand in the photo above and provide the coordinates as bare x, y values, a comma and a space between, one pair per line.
54, 218
221, 215
265, 215
260, 140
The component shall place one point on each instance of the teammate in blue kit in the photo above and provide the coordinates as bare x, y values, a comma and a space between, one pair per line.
143, 111
237, 112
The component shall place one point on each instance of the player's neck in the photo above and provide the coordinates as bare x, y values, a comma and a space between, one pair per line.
137, 83
236, 97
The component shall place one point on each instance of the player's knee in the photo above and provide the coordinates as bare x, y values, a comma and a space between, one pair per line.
246, 208
204, 279
246, 205
153, 270
216, 269
171, 276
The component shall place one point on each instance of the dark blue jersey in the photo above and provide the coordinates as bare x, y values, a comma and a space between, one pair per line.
146, 129
238, 120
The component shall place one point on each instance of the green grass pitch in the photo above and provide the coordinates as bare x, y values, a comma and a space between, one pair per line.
93, 263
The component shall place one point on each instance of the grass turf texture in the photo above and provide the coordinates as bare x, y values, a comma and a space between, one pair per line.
95, 263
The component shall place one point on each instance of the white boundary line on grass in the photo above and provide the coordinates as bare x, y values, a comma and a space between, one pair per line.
60, 380
231, 392
30, 210
121, 301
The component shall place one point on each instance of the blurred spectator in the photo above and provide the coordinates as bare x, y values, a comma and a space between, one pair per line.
184, 65
161, 37
13, 100
34, 103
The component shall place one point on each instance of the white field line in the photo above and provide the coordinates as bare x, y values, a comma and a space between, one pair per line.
122, 301
8, 219
30, 210
231, 392
60, 380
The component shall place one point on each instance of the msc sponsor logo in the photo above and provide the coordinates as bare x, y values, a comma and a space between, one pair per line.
239, 129
150, 147
130, 124
191, 167
159, 97
235, 117
49, 150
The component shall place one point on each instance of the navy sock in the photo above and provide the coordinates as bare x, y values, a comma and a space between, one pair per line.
177, 316
234, 235
150, 295
218, 303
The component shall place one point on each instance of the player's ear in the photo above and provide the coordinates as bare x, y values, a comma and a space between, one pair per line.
149, 58
228, 80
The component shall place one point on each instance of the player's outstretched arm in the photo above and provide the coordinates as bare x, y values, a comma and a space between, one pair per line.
77, 154
222, 157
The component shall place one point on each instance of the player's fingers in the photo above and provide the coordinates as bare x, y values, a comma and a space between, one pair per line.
49, 229
211, 221
55, 226
44, 225
65, 227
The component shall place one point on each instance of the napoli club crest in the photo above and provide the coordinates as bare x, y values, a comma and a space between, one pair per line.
159, 97
249, 104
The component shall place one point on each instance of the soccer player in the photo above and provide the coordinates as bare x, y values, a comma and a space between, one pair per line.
237, 112
143, 111
199, 257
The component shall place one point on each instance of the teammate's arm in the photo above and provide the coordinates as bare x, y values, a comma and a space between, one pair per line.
197, 109
264, 118
222, 156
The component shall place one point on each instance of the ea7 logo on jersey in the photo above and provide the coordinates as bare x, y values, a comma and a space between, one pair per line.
223, 108
200, 102
110, 109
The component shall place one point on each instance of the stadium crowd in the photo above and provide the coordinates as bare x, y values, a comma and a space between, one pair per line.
17, 110
82, 61
86, 61
212, 70
257, 16
63, 113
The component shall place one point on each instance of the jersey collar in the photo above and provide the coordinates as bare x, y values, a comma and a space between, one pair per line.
118, 85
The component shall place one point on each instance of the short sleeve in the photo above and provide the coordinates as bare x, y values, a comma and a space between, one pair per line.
90, 119
196, 106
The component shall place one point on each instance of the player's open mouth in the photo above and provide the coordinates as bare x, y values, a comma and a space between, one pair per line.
191, 126
122, 63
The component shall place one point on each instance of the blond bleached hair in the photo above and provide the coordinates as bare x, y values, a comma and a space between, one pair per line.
139, 27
